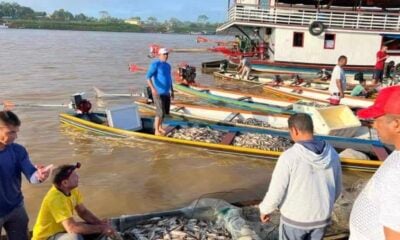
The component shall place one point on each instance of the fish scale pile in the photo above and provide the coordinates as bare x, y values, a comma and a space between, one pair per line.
176, 228
262, 141
253, 122
198, 134
249, 140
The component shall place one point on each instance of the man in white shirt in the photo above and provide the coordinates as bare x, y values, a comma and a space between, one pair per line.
376, 211
337, 85
244, 68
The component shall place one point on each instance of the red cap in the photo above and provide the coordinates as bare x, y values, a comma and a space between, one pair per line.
387, 102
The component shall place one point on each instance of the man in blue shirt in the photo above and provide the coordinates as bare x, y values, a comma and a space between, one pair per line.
160, 82
14, 160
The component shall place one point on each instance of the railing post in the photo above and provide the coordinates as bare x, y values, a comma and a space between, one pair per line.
398, 23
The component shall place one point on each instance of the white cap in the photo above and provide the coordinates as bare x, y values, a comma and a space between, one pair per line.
162, 51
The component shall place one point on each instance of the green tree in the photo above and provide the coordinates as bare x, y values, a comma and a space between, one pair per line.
104, 16
202, 19
81, 17
62, 15
152, 20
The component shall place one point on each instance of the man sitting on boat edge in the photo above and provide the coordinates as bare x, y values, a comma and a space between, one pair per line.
55, 219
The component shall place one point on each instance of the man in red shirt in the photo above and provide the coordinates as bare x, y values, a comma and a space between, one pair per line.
381, 57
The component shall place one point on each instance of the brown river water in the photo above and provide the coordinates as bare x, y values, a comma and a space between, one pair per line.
117, 176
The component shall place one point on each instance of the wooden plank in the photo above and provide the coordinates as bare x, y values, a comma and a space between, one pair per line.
228, 138
229, 118
244, 98
169, 129
380, 152
177, 109
340, 236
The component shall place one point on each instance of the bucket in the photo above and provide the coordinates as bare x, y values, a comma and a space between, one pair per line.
334, 100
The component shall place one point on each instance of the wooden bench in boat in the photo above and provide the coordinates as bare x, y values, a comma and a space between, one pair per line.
227, 139
177, 109
169, 129
230, 117
380, 152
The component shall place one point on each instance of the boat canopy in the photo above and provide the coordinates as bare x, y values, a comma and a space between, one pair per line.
391, 36
347, 3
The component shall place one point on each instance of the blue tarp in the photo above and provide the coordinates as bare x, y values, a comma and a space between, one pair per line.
392, 36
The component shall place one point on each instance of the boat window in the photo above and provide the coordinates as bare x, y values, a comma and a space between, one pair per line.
329, 41
298, 39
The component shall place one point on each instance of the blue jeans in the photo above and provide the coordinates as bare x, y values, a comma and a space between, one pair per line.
291, 233
16, 224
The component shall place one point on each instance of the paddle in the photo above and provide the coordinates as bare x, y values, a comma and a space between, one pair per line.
136, 68
201, 39
8, 105
102, 94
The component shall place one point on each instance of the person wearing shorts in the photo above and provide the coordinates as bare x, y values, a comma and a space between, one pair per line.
160, 82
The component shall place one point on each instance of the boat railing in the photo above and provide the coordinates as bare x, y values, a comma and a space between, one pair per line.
351, 20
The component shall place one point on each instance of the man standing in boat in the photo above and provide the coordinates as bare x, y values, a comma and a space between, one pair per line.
305, 184
160, 82
376, 211
244, 68
56, 216
337, 85
381, 57
14, 160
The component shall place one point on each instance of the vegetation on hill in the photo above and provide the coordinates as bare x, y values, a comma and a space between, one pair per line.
17, 16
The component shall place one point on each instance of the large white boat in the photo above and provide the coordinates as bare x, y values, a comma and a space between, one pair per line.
306, 36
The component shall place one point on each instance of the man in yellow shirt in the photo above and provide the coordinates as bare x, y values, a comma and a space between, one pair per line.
55, 220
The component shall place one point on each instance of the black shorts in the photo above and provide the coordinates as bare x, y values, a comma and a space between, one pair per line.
162, 103
378, 75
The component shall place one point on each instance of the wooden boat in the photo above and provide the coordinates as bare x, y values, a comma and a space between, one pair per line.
362, 141
318, 95
207, 209
71, 119
243, 100
312, 83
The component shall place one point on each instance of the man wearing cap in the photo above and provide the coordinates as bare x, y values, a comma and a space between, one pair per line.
376, 211
160, 82
14, 160
55, 220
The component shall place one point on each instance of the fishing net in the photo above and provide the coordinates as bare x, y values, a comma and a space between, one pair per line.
212, 217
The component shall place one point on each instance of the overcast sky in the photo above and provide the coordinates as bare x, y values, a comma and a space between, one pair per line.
161, 9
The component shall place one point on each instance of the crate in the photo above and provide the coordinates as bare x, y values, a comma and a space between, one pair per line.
124, 117
330, 120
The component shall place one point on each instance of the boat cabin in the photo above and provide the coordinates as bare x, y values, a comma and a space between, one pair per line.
317, 32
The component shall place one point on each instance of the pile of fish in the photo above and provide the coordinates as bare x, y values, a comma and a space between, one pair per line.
262, 141
176, 228
249, 140
253, 122
198, 134
312, 104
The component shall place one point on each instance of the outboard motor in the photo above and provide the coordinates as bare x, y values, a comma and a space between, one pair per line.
82, 108
390, 70
223, 66
187, 73
324, 74
359, 76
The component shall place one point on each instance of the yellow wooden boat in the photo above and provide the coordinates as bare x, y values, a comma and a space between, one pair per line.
73, 120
